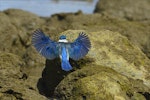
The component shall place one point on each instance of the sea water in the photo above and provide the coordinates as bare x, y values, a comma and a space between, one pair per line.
46, 8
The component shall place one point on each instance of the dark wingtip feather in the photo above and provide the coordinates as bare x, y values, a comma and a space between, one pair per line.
36, 35
87, 40
83, 34
36, 31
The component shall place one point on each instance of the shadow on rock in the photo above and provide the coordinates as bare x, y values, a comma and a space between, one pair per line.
51, 77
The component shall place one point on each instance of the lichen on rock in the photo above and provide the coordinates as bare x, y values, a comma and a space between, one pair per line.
12, 84
115, 67
112, 51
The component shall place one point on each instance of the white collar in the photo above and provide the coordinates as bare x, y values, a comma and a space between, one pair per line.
64, 40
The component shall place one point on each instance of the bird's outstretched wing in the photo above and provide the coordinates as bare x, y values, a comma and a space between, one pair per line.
44, 45
79, 47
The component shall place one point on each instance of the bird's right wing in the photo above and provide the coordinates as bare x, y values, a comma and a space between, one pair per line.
44, 45
80, 47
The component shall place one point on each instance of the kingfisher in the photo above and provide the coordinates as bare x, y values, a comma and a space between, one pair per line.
63, 49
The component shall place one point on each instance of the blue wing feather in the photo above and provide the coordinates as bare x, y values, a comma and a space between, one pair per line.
44, 45
80, 47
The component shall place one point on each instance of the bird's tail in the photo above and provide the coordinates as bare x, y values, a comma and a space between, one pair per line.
66, 65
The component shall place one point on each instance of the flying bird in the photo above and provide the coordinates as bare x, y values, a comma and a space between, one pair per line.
51, 49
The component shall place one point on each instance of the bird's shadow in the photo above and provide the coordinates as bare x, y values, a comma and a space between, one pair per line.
53, 74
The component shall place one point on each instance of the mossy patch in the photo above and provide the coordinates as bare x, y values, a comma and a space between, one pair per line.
95, 82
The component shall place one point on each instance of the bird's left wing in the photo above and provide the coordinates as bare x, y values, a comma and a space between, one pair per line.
80, 47
44, 45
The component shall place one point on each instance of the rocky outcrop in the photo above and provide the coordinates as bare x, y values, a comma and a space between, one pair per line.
98, 83
135, 31
16, 29
114, 64
131, 10
114, 60
13, 81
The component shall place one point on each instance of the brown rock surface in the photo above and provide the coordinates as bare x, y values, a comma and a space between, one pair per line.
12, 84
128, 9
98, 83
135, 31
23, 66
114, 51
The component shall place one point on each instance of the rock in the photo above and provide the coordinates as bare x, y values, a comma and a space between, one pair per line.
116, 51
97, 83
12, 84
20, 41
131, 10
113, 51
137, 32
16, 30
109, 49
10, 65
17, 26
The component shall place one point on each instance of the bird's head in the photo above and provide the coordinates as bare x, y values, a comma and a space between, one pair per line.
62, 38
